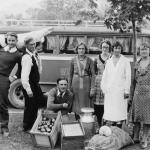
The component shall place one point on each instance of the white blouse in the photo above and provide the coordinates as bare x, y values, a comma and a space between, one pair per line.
26, 69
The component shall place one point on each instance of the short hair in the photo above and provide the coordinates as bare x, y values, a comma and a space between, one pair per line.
117, 44
62, 78
86, 49
12, 34
108, 43
28, 40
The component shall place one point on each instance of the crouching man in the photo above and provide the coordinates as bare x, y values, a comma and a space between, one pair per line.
60, 98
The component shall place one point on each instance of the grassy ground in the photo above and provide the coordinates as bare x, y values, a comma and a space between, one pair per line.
19, 140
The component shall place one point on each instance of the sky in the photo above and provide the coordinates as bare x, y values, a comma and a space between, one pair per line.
17, 6
8, 7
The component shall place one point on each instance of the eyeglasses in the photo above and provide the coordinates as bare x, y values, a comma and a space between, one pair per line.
31, 44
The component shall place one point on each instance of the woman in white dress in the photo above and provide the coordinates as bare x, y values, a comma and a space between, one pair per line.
115, 84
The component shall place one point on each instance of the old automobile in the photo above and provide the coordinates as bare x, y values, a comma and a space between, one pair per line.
58, 50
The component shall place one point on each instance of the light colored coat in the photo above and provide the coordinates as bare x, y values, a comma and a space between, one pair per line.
116, 81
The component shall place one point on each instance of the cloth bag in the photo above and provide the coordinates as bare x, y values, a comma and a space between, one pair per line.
118, 139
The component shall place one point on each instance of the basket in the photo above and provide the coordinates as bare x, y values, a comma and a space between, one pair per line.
69, 141
40, 139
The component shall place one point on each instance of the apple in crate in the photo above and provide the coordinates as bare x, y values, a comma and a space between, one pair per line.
45, 126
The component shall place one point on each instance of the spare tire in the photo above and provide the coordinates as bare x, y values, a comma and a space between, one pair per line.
15, 94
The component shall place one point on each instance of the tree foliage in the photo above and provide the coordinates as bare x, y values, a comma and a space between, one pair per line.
123, 13
66, 10
94, 10
58, 10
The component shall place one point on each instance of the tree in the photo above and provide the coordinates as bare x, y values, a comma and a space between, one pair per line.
47, 10
124, 12
94, 10
66, 10
57, 10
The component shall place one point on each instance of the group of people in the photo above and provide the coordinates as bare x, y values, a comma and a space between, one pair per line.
103, 84
28, 71
106, 84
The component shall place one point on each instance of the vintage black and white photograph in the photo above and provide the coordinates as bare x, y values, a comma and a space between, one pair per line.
74, 74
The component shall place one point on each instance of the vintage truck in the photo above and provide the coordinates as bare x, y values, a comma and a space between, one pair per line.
58, 50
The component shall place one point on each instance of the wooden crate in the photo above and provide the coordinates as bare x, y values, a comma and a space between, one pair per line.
70, 141
70, 117
40, 139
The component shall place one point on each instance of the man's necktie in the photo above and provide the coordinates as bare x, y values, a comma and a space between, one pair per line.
61, 95
38, 62
36, 58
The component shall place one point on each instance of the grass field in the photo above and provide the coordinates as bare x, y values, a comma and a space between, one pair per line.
18, 140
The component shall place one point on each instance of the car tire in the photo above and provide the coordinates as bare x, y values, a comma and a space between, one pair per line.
15, 94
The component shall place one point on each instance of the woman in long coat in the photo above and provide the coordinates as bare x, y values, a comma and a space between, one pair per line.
115, 84
81, 79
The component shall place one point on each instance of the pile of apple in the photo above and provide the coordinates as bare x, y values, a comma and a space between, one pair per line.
46, 125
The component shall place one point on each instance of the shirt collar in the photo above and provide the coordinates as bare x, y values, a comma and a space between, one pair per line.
58, 93
12, 50
30, 53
